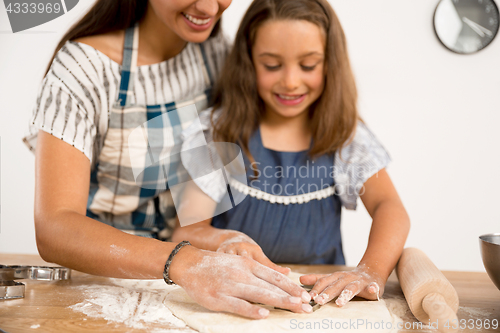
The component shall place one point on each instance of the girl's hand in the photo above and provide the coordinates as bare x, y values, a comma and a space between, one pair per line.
222, 282
358, 282
244, 246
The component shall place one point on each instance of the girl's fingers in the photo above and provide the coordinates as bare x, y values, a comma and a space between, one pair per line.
351, 290
345, 284
242, 252
226, 249
371, 292
281, 281
281, 269
322, 283
258, 255
264, 260
334, 289
253, 252
330, 292
229, 249
373, 288
311, 279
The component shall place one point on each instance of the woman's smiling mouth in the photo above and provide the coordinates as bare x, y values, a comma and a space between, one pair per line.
197, 21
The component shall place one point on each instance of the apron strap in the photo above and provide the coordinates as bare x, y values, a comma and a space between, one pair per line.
129, 63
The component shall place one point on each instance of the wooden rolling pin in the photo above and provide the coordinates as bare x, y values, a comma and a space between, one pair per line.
430, 296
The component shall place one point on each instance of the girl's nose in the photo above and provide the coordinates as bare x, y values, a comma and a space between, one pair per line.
291, 79
207, 7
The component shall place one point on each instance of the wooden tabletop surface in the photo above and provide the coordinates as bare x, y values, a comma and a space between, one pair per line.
45, 307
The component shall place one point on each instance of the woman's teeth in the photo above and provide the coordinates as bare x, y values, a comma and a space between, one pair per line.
290, 98
195, 20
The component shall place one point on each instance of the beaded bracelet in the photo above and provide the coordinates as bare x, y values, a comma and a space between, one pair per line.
169, 261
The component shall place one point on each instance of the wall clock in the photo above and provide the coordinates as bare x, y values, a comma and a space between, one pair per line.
466, 26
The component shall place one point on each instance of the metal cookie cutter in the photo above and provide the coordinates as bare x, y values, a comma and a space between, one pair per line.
10, 289
312, 303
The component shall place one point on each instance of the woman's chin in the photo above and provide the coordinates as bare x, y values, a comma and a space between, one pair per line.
191, 33
195, 37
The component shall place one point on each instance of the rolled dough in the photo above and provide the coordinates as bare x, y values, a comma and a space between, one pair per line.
358, 315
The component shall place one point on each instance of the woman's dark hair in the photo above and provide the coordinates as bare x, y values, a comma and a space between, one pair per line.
109, 15
333, 116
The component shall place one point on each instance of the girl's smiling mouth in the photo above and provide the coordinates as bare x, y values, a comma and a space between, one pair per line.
288, 99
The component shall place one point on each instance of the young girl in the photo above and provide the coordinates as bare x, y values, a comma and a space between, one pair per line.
124, 63
287, 96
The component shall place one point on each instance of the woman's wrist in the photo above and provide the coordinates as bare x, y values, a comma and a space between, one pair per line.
187, 257
230, 236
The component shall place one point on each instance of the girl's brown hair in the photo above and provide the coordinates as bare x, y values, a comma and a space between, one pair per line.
333, 116
106, 16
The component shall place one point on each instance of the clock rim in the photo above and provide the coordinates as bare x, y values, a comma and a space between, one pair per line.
466, 53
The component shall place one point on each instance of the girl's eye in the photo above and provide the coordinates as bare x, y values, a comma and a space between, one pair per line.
272, 68
308, 68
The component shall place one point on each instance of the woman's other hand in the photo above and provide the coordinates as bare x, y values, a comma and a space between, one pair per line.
244, 246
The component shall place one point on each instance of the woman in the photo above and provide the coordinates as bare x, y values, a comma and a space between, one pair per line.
87, 106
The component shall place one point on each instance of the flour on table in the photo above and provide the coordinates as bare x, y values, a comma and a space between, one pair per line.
152, 305
476, 313
368, 316
135, 303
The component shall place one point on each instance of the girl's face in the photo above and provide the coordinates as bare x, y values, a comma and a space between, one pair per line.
289, 61
192, 20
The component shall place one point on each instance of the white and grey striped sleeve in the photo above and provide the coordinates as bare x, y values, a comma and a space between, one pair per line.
69, 103
356, 163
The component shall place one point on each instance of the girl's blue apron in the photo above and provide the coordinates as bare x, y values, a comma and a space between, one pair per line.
302, 232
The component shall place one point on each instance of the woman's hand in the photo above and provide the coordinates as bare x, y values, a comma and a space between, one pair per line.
359, 282
244, 246
222, 282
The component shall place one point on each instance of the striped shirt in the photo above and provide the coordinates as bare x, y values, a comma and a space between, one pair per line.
82, 85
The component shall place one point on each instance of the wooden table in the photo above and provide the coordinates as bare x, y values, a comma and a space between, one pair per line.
47, 303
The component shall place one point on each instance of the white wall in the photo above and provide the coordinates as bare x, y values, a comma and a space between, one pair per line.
436, 112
